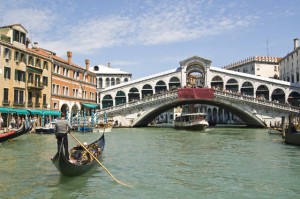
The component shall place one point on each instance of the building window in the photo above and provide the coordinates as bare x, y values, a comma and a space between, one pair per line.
19, 36
5, 97
53, 88
57, 89
37, 99
45, 81
38, 63
275, 68
55, 105
18, 97
7, 54
44, 99
29, 97
17, 56
6, 73
30, 61
45, 65
20, 75
30, 78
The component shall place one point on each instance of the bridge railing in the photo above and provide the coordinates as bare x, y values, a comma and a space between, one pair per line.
144, 100
258, 101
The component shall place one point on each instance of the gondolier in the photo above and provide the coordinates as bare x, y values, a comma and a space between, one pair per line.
62, 128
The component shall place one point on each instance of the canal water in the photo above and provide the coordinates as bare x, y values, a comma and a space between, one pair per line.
158, 163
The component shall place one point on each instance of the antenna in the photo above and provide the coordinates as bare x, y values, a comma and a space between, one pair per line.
30, 36
267, 48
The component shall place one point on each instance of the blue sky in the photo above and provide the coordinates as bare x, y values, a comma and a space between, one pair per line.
145, 37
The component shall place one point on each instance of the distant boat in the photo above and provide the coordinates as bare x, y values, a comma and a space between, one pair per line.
102, 128
191, 121
47, 129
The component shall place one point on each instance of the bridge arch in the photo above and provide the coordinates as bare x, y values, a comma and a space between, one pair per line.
294, 98
133, 94
247, 89
147, 91
262, 91
247, 117
232, 85
107, 101
174, 83
160, 87
195, 73
217, 83
120, 98
278, 95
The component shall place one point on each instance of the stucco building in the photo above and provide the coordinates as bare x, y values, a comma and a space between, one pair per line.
289, 65
263, 66
25, 74
107, 76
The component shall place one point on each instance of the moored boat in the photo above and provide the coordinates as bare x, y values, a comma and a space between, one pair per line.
71, 168
292, 138
191, 121
15, 133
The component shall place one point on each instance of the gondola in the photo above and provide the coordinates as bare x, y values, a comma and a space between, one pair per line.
67, 168
15, 133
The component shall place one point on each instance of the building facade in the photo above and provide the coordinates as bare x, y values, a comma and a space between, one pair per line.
289, 65
73, 87
25, 74
107, 76
263, 66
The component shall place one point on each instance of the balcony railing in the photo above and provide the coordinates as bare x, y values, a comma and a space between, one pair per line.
19, 103
29, 104
35, 84
37, 104
5, 102
45, 105
5, 38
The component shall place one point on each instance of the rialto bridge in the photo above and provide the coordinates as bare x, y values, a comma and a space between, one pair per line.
255, 100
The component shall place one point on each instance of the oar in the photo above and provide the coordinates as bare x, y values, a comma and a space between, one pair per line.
118, 181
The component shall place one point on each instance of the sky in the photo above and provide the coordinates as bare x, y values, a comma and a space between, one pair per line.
145, 37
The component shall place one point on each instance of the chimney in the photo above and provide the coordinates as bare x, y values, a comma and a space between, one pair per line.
87, 64
69, 54
296, 43
108, 65
35, 45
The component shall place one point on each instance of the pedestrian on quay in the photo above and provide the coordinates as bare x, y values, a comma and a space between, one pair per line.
62, 128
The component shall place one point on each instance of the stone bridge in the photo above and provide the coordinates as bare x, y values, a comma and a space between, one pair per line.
257, 101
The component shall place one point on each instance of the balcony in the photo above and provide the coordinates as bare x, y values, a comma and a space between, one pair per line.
29, 104
37, 105
5, 38
19, 103
45, 105
36, 85
5, 102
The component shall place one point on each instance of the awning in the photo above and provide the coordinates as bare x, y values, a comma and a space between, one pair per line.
35, 111
14, 111
45, 112
52, 112
94, 106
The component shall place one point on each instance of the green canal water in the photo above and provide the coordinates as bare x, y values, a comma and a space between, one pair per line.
158, 163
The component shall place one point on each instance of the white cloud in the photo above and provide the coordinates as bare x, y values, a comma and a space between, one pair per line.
156, 23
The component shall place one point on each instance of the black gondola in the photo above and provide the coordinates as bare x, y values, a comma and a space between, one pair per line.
15, 133
67, 168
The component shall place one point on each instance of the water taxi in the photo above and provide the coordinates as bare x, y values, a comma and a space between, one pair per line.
191, 121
